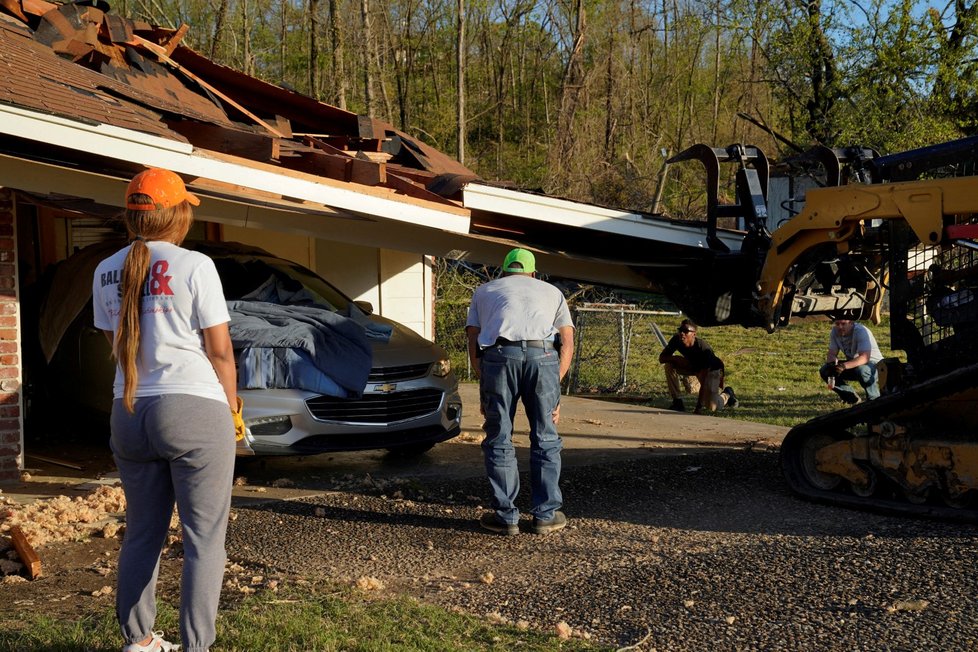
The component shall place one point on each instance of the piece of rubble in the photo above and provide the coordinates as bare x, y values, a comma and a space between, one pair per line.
367, 583
28, 557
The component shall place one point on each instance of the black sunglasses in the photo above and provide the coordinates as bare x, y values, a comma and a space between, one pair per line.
685, 330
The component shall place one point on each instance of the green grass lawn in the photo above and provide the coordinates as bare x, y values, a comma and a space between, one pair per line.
775, 375
324, 619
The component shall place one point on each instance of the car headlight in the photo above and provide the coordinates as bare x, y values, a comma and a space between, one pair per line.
442, 368
269, 426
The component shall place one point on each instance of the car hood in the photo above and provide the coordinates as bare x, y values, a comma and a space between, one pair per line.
405, 347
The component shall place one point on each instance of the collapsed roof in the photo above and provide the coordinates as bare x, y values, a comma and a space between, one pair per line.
136, 76
89, 98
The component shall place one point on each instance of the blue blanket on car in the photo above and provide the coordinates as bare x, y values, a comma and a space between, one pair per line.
299, 347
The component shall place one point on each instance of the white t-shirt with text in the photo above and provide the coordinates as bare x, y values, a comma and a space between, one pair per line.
181, 297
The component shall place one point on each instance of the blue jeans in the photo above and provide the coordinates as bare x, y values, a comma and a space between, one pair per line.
865, 374
510, 373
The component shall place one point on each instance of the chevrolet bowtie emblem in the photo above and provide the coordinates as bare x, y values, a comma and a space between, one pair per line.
386, 388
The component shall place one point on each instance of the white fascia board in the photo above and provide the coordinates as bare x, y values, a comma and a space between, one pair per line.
316, 222
154, 151
587, 216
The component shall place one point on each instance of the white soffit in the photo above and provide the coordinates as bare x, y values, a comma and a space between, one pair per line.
153, 151
586, 216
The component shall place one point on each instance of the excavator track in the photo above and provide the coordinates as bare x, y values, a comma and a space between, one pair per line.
899, 454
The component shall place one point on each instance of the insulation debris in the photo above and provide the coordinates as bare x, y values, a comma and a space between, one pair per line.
65, 519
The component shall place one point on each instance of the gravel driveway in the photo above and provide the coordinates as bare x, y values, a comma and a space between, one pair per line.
670, 546
701, 551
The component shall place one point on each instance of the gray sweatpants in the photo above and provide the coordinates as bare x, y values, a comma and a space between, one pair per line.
176, 447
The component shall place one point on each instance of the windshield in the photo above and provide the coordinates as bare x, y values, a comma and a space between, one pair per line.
277, 281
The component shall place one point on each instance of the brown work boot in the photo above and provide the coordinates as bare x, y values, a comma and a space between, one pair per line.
491, 521
558, 522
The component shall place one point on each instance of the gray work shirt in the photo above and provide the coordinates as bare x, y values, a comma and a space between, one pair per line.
517, 308
861, 340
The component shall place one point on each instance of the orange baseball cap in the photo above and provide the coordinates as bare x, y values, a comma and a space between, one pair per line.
164, 187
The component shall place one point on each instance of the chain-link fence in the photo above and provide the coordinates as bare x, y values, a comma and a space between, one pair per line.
617, 338
616, 347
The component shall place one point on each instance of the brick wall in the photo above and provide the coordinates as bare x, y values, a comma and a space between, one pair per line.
11, 424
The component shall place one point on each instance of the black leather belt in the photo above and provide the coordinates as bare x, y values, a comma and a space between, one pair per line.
536, 344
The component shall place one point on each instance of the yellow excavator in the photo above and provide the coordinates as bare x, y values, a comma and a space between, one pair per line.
901, 229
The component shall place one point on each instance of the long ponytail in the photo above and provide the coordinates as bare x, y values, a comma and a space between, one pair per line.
126, 345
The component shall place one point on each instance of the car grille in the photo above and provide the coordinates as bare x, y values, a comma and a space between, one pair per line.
395, 374
373, 440
376, 408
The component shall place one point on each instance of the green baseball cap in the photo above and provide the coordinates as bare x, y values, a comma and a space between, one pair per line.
520, 261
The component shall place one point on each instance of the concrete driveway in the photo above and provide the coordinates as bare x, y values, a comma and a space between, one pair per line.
595, 431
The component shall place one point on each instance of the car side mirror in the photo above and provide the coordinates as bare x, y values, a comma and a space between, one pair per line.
365, 306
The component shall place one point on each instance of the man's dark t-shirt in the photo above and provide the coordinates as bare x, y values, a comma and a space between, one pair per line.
700, 354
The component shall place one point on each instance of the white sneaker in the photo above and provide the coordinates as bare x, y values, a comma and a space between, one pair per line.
156, 644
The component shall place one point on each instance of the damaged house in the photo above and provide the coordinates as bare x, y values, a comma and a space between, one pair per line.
89, 98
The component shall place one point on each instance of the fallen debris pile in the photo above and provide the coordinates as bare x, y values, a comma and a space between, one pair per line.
65, 519
99, 513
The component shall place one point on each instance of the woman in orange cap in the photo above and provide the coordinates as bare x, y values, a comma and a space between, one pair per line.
173, 437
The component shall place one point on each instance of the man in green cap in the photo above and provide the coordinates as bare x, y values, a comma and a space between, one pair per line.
511, 328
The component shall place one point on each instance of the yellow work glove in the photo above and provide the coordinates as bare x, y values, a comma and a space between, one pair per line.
239, 426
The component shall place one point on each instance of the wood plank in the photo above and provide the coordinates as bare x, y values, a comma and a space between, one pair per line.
368, 127
260, 147
54, 460
376, 157
334, 166
326, 146
174, 40
367, 172
422, 177
407, 187
38, 7
284, 126
13, 7
372, 145
28, 557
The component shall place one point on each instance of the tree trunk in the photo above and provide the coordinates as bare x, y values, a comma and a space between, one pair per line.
283, 32
819, 123
368, 80
339, 70
219, 18
569, 96
386, 36
460, 85
716, 73
314, 89
609, 105
246, 39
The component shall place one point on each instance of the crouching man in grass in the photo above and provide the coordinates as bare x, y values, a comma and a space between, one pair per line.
698, 362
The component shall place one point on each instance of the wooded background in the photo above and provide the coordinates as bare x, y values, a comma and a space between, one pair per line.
585, 98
